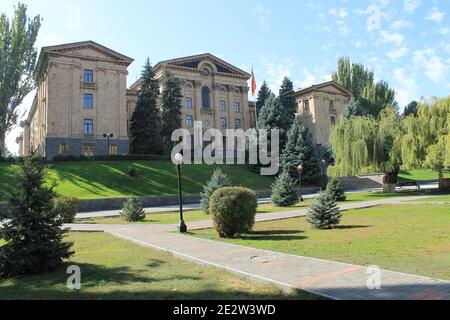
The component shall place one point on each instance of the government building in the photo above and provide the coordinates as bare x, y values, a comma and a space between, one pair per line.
82, 98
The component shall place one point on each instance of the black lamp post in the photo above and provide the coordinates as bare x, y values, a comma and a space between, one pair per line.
324, 184
300, 171
182, 228
108, 136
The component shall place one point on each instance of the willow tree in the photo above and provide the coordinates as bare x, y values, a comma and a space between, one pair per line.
363, 144
426, 139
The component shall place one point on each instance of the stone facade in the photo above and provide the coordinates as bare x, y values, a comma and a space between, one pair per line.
321, 106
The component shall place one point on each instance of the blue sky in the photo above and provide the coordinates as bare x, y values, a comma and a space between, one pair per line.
406, 42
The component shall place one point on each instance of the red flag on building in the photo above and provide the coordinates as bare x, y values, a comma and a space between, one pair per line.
253, 85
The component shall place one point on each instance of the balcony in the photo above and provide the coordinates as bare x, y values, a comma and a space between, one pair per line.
88, 85
207, 111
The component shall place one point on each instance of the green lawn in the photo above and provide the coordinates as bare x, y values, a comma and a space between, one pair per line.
421, 175
437, 199
112, 268
408, 238
89, 180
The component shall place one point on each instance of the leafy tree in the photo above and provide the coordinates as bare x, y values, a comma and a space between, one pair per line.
132, 210
411, 109
170, 108
287, 99
17, 63
323, 212
300, 150
336, 189
32, 229
218, 180
354, 108
146, 119
285, 192
263, 94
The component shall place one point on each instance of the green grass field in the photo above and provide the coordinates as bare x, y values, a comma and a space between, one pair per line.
90, 180
421, 175
112, 268
408, 238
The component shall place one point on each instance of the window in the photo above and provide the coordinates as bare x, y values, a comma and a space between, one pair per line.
237, 107
206, 98
88, 127
112, 149
188, 103
88, 76
306, 105
332, 105
237, 123
223, 123
88, 150
223, 106
188, 86
63, 148
333, 120
222, 89
189, 122
88, 101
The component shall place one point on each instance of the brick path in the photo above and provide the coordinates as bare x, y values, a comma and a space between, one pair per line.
330, 279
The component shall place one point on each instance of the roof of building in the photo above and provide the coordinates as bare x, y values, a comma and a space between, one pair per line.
321, 86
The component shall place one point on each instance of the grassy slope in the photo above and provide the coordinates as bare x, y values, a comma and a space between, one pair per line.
109, 179
116, 269
407, 238
421, 175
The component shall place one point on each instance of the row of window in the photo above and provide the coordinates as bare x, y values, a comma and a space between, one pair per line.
222, 105
87, 150
330, 104
189, 86
223, 123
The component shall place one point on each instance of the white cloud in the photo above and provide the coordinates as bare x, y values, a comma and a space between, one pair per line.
407, 87
411, 5
276, 72
392, 37
309, 79
400, 24
435, 15
341, 13
49, 40
397, 53
359, 44
445, 31
433, 66
73, 22
264, 16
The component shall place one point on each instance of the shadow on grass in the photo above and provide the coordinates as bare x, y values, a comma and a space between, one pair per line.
343, 227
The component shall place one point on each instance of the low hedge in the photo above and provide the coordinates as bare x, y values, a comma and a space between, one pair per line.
131, 157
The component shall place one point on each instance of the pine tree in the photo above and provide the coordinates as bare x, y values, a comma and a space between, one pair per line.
146, 120
32, 229
336, 189
323, 212
300, 150
287, 99
411, 109
218, 180
285, 192
170, 109
132, 210
263, 94
354, 108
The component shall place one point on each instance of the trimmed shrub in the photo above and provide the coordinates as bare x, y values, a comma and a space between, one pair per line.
133, 173
233, 211
218, 180
285, 192
66, 208
132, 210
336, 189
323, 212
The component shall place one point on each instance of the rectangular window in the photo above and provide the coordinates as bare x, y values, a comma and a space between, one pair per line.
189, 122
332, 105
237, 107
88, 76
188, 103
223, 106
112, 149
306, 105
333, 120
237, 124
223, 123
88, 101
64, 149
88, 150
88, 127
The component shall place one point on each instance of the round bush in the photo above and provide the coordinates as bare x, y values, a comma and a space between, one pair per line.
133, 173
66, 208
233, 211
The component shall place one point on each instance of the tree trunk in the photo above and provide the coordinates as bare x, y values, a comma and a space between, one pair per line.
441, 178
2, 144
390, 182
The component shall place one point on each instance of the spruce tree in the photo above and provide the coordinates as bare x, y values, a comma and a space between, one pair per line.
300, 150
170, 109
145, 128
287, 99
411, 109
323, 212
132, 210
354, 108
336, 189
218, 180
285, 192
263, 94
31, 228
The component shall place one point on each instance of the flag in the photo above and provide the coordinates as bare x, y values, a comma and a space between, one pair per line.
253, 85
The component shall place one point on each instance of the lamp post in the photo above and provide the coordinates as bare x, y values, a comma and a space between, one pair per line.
108, 136
324, 162
182, 228
300, 171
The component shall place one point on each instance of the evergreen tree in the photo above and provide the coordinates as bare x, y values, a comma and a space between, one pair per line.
170, 109
132, 210
218, 180
263, 94
354, 108
411, 109
146, 120
285, 191
300, 150
336, 189
32, 229
323, 212
287, 99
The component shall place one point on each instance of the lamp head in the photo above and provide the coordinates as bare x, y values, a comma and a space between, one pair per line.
178, 159
300, 168
324, 161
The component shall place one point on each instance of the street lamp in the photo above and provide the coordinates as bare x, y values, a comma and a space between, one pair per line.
300, 171
324, 163
182, 228
108, 136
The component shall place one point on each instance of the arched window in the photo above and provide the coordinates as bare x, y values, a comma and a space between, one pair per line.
206, 98
188, 86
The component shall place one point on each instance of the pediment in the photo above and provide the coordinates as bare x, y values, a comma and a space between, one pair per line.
329, 87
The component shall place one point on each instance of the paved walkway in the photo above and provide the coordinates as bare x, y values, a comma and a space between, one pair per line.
327, 278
